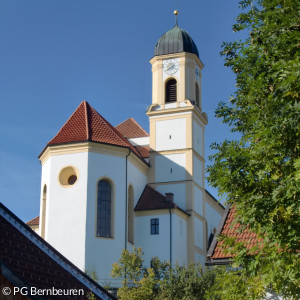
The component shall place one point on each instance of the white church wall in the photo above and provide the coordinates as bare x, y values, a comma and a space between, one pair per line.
170, 134
198, 200
141, 141
199, 234
179, 240
45, 180
112, 168
138, 181
212, 216
198, 171
154, 244
66, 207
198, 138
170, 167
200, 259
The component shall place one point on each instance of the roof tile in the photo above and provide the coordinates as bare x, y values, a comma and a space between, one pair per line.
232, 229
152, 199
143, 150
86, 124
130, 128
35, 221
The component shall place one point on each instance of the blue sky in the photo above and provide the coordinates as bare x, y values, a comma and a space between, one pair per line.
56, 53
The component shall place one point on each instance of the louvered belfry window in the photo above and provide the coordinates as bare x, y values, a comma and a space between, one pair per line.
171, 91
104, 209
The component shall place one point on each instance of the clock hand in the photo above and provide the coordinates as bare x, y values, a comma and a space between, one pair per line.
172, 66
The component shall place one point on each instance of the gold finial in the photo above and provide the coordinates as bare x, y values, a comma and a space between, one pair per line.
176, 12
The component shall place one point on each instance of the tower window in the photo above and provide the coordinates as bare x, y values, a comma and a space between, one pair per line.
171, 91
154, 226
104, 209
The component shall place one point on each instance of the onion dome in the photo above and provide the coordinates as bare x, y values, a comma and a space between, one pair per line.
174, 41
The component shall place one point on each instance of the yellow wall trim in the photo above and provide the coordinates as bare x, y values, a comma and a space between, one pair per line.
92, 147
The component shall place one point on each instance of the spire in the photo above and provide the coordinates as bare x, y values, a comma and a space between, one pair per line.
176, 12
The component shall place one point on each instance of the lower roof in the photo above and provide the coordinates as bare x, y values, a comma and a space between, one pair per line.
28, 259
230, 228
153, 200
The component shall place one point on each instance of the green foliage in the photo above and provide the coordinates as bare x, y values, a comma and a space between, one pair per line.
160, 281
260, 173
137, 282
187, 283
93, 274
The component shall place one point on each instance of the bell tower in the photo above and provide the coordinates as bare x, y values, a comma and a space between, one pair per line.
177, 126
176, 70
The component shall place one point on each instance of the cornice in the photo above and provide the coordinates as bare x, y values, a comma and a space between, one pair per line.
100, 148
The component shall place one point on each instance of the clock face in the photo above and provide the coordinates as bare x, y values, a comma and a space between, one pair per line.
170, 66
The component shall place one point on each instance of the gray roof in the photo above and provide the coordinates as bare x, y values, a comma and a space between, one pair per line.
174, 41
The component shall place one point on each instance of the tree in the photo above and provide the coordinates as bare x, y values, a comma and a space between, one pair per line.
161, 281
138, 283
260, 173
187, 283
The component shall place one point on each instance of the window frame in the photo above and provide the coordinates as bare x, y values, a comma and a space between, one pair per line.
154, 226
167, 90
108, 230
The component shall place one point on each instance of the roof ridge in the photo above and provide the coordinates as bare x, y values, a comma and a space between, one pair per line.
139, 126
121, 137
213, 244
147, 185
66, 122
87, 123
114, 129
130, 128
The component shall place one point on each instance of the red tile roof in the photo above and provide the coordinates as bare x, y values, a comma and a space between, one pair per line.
229, 228
35, 221
30, 261
86, 124
152, 200
131, 129
143, 150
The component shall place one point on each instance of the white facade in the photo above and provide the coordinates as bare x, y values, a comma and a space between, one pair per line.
66, 207
171, 134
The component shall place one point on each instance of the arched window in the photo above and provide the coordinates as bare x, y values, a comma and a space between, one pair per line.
104, 209
43, 216
171, 91
130, 215
197, 94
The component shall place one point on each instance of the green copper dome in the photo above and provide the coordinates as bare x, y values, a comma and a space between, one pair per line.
174, 41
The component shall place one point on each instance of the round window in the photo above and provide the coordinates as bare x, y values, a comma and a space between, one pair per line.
68, 176
72, 179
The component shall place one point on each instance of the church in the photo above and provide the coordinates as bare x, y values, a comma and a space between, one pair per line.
106, 188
